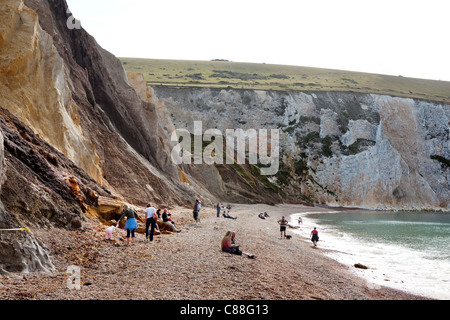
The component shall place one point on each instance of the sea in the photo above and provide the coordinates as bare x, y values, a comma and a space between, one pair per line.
409, 251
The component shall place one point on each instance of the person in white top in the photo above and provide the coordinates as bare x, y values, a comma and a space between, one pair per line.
151, 217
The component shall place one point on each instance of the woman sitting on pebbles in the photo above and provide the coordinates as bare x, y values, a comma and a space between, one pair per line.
229, 245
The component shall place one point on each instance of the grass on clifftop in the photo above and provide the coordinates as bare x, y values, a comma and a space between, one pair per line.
239, 75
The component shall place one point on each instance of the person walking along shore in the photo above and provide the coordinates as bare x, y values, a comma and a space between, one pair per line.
314, 236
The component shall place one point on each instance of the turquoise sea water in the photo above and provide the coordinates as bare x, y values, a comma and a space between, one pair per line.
407, 251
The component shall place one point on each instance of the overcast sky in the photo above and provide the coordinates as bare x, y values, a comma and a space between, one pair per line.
397, 37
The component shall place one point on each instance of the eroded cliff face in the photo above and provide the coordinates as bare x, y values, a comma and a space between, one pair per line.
73, 130
76, 96
35, 86
338, 148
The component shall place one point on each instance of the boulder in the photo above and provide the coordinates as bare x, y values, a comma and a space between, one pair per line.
110, 208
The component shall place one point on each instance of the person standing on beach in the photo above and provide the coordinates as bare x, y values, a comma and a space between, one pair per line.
218, 209
314, 236
196, 212
131, 225
150, 220
283, 224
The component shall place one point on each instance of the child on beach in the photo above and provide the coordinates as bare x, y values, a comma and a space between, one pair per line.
229, 245
109, 232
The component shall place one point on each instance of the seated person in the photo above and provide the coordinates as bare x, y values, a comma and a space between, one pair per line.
229, 245
227, 215
167, 220
166, 217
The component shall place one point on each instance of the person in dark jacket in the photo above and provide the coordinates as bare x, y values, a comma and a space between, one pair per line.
131, 225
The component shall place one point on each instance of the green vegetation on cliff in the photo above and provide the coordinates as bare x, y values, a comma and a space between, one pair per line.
238, 75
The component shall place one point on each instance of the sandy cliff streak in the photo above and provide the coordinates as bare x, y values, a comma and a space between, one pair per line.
73, 130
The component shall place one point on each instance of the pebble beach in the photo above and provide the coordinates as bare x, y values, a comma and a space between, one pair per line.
190, 265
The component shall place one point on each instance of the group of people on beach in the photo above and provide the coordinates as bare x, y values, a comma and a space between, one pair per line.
314, 235
263, 215
229, 244
218, 206
225, 214
151, 216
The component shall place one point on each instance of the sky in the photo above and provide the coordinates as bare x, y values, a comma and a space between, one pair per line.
395, 37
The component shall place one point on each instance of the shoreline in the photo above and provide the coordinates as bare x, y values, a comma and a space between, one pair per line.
288, 210
341, 208
380, 263
191, 266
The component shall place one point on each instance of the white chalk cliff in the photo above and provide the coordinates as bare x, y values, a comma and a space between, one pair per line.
338, 148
